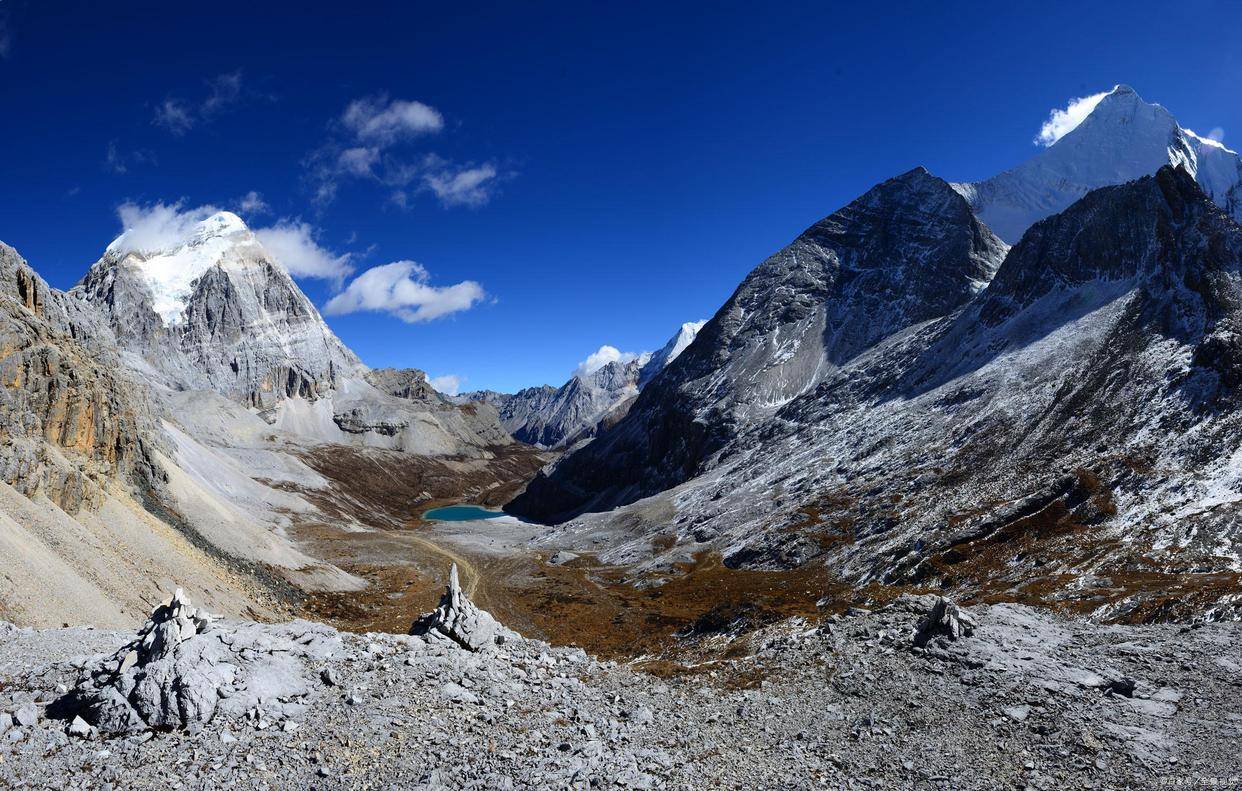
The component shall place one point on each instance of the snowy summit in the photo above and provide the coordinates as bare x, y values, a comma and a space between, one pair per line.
170, 270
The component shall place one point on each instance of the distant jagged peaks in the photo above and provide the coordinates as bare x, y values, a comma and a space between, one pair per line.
1122, 139
554, 417
670, 351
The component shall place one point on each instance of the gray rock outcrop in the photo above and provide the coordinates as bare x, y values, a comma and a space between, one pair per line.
185, 668
71, 419
944, 620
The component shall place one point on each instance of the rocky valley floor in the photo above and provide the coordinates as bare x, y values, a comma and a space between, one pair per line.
1024, 699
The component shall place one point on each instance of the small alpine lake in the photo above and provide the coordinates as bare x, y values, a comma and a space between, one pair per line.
461, 513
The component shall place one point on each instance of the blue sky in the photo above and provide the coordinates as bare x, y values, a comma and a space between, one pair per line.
602, 172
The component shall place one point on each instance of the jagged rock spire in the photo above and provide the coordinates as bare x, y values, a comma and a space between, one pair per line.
458, 619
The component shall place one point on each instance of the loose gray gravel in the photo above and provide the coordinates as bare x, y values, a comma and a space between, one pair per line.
1028, 700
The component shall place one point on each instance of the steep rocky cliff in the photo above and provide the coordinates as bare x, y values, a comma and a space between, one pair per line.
1070, 435
73, 419
80, 463
907, 251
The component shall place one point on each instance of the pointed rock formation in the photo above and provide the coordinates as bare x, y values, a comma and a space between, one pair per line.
216, 311
944, 620
458, 619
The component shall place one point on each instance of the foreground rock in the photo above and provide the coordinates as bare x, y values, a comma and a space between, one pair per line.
1028, 700
184, 669
460, 621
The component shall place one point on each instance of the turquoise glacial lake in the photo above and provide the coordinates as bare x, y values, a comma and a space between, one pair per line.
461, 513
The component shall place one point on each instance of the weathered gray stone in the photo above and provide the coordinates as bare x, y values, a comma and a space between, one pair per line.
944, 620
458, 619
27, 715
80, 728
189, 668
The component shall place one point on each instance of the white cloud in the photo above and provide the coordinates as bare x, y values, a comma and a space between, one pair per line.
606, 354
293, 245
471, 186
449, 384
175, 116
375, 120
400, 199
358, 161
369, 142
162, 226
159, 226
223, 91
1062, 122
402, 289
1217, 134
252, 203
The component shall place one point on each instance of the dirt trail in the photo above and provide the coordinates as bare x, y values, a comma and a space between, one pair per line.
469, 574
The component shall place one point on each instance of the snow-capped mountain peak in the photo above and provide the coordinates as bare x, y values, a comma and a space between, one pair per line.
170, 263
205, 304
670, 351
1123, 138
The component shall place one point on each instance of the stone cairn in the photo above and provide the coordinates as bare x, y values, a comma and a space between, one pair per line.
460, 621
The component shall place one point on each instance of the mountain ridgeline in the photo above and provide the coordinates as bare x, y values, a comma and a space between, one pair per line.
907, 251
560, 417
1124, 138
1046, 425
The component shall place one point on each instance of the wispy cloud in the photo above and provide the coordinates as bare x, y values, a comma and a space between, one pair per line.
402, 289
179, 115
379, 122
224, 91
1062, 122
449, 384
291, 243
6, 33
358, 161
157, 226
175, 116
468, 186
252, 204
120, 161
603, 356
294, 246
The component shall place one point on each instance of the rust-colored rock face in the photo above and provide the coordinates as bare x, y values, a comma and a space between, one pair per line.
71, 422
